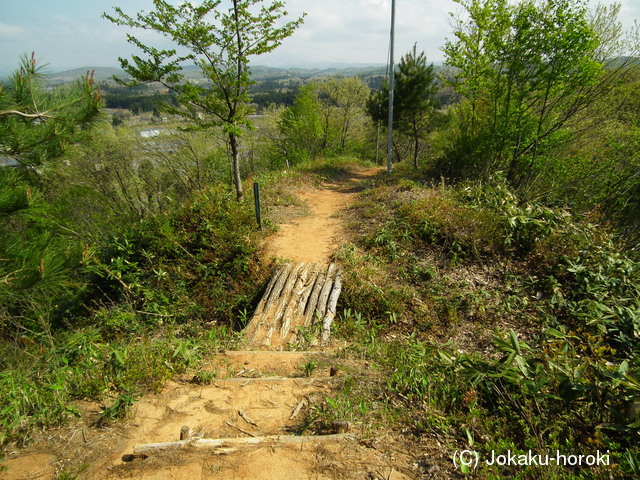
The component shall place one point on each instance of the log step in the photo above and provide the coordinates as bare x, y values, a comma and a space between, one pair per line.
215, 443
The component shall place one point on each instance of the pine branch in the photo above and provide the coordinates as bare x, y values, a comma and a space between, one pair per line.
26, 115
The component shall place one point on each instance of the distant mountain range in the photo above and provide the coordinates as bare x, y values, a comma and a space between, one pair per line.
100, 74
259, 73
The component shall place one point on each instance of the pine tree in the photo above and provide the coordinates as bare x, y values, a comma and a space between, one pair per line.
36, 126
413, 94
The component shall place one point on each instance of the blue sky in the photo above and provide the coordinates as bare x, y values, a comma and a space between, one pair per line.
71, 33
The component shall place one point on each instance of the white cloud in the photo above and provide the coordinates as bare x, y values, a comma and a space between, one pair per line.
69, 26
11, 31
334, 31
358, 30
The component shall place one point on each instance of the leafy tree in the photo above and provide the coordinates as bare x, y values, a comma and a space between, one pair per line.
414, 101
342, 102
300, 127
602, 167
219, 43
527, 71
326, 116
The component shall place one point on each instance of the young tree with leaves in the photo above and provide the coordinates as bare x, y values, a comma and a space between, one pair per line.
301, 127
343, 101
220, 44
527, 72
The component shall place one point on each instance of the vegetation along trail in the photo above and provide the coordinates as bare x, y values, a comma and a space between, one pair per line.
482, 299
246, 413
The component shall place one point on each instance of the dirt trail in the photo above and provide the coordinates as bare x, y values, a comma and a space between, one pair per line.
251, 394
314, 238
240, 394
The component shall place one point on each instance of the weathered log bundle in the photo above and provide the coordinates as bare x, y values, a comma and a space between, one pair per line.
298, 296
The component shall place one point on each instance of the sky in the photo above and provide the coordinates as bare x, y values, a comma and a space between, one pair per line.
69, 34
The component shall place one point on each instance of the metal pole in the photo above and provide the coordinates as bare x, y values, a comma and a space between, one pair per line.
378, 143
256, 198
391, 86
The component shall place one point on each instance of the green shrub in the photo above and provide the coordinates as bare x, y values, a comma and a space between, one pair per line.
183, 273
434, 216
560, 280
197, 263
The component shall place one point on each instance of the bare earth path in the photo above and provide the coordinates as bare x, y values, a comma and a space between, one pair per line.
255, 402
314, 238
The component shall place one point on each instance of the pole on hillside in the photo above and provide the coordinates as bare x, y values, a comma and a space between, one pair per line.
391, 87
256, 199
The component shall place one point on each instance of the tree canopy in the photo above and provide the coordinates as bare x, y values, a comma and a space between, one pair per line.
526, 71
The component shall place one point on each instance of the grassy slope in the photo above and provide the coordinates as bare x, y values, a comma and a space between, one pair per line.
432, 274
497, 326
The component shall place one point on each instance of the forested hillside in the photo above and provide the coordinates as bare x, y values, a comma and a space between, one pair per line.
491, 280
272, 85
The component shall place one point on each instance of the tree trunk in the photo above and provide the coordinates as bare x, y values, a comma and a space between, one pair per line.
416, 144
325, 134
345, 130
233, 138
233, 142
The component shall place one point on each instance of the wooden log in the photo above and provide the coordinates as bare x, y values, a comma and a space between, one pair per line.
222, 442
265, 322
254, 328
250, 381
331, 307
321, 308
275, 308
309, 312
276, 290
340, 426
298, 295
277, 353
314, 271
267, 291
290, 311
312, 303
295, 317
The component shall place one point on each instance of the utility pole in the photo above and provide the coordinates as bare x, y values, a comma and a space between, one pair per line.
391, 86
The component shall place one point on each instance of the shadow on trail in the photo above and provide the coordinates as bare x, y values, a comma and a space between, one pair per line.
347, 180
